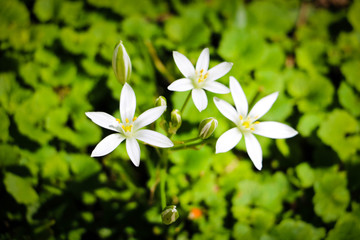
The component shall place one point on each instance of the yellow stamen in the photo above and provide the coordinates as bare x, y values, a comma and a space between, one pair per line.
123, 127
201, 71
241, 117
252, 128
246, 124
134, 119
257, 122
118, 120
127, 120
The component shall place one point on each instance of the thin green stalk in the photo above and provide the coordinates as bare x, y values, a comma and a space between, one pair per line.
186, 101
184, 146
187, 141
163, 175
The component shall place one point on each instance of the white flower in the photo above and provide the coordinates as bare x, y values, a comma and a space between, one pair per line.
128, 128
200, 78
247, 124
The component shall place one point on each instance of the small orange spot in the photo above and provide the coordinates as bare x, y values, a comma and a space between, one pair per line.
127, 120
118, 120
134, 119
195, 213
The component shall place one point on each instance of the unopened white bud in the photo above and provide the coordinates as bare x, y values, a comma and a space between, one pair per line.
160, 101
169, 215
121, 63
175, 121
207, 127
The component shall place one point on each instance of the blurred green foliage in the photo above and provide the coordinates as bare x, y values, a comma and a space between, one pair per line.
55, 64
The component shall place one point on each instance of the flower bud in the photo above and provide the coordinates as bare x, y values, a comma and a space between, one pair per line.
207, 127
175, 122
160, 101
169, 215
121, 63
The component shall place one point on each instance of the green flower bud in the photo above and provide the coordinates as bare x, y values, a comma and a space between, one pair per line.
160, 101
169, 215
175, 122
207, 127
121, 63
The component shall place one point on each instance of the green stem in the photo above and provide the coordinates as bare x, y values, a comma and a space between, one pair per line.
163, 175
162, 188
186, 101
183, 146
187, 141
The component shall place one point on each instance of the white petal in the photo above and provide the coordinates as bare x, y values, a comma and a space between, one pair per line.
253, 149
227, 110
133, 150
218, 71
148, 117
228, 140
203, 61
154, 138
239, 97
184, 65
103, 120
127, 103
181, 85
263, 106
107, 145
199, 98
274, 130
216, 87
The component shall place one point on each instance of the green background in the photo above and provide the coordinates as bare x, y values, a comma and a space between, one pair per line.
55, 64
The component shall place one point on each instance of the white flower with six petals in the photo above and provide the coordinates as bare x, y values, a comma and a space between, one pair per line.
247, 124
128, 128
200, 78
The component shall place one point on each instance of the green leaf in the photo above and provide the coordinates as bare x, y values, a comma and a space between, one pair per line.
349, 99
9, 155
4, 125
353, 15
351, 71
331, 196
347, 227
309, 122
84, 166
305, 174
11, 95
20, 188
311, 93
309, 56
297, 230
340, 131
46, 10
13, 17
39, 106
56, 168
244, 48
272, 19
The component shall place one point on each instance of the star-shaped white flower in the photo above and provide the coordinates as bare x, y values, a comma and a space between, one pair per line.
200, 78
128, 128
247, 124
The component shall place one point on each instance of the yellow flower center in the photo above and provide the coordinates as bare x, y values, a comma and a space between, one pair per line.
127, 127
247, 124
201, 76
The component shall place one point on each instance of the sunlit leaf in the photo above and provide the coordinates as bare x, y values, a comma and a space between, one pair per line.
340, 131
20, 188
